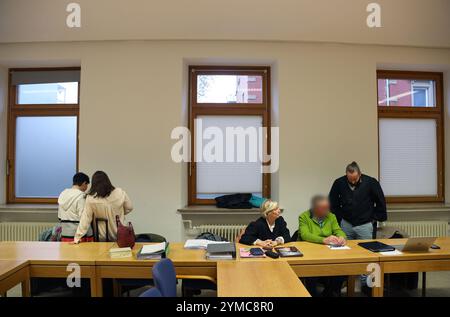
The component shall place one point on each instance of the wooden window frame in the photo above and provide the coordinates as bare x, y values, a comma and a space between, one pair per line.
436, 113
32, 110
196, 109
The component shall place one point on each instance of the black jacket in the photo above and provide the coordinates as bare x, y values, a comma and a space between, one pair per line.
366, 203
234, 201
259, 229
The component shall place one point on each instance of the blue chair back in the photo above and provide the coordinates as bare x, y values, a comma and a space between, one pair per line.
165, 278
152, 292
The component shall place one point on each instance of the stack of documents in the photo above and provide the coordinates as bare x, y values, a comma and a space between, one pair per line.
116, 253
221, 251
200, 243
152, 251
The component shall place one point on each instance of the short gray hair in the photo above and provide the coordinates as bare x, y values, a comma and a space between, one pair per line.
353, 167
316, 199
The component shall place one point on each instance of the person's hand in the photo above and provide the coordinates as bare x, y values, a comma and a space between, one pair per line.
279, 241
273, 243
342, 241
264, 244
75, 242
331, 240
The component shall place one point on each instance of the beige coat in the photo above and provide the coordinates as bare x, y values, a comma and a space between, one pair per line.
117, 203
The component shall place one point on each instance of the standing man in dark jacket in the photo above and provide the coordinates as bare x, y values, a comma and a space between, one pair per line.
357, 201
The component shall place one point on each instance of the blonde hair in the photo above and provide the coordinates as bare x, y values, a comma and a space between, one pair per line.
268, 206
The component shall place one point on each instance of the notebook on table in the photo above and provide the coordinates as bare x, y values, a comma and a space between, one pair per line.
153, 251
376, 246
221, 251
288, 251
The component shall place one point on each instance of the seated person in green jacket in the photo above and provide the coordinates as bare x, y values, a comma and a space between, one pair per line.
319, 225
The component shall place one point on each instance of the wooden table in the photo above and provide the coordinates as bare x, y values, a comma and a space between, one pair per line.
320, 260
13, 272
188, 264
434, 260
258, 279
51, 259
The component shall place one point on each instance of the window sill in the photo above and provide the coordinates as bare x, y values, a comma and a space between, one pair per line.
26, 208
425, 207
213, 210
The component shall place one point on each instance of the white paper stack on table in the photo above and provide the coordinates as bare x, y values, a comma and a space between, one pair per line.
152, 251
201, 244
117, 253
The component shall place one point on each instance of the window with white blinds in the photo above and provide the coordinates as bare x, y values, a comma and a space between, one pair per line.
235, 166
229, 115
411, 136
408, 157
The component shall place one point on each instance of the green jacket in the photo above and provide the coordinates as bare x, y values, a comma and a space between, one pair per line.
310, 230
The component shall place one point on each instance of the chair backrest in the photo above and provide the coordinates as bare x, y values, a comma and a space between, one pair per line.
150, 237
152, 292
165, 278
96, 235
295, 236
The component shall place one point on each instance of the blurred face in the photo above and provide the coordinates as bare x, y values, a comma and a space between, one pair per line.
273, 215
322, 208
84, 187
353, 178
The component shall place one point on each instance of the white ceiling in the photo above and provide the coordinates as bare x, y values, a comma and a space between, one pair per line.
423, 23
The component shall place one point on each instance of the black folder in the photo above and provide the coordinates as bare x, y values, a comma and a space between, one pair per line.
376, 246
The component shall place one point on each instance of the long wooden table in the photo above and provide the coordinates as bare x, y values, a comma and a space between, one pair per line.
320, 260
433, 260
188, 264
50, 259
13, 272
258, 279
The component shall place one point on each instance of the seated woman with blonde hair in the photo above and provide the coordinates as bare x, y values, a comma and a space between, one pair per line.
269, 230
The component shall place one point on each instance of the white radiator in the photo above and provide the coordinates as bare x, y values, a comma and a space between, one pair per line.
421, 228
22, 231
229, 232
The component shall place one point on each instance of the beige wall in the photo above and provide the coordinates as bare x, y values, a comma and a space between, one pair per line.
134, 93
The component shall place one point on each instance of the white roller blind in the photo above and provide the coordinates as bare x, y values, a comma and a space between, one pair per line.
408, 157
224, 177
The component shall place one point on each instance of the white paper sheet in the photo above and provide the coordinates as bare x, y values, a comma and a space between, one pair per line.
153, 248
395, 252
199, 243
344, 247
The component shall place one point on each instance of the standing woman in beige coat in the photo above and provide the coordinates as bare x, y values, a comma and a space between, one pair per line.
103, 201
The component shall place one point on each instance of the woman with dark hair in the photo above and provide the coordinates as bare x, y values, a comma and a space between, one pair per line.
103, 201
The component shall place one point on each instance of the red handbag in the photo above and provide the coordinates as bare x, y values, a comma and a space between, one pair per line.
125, 234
